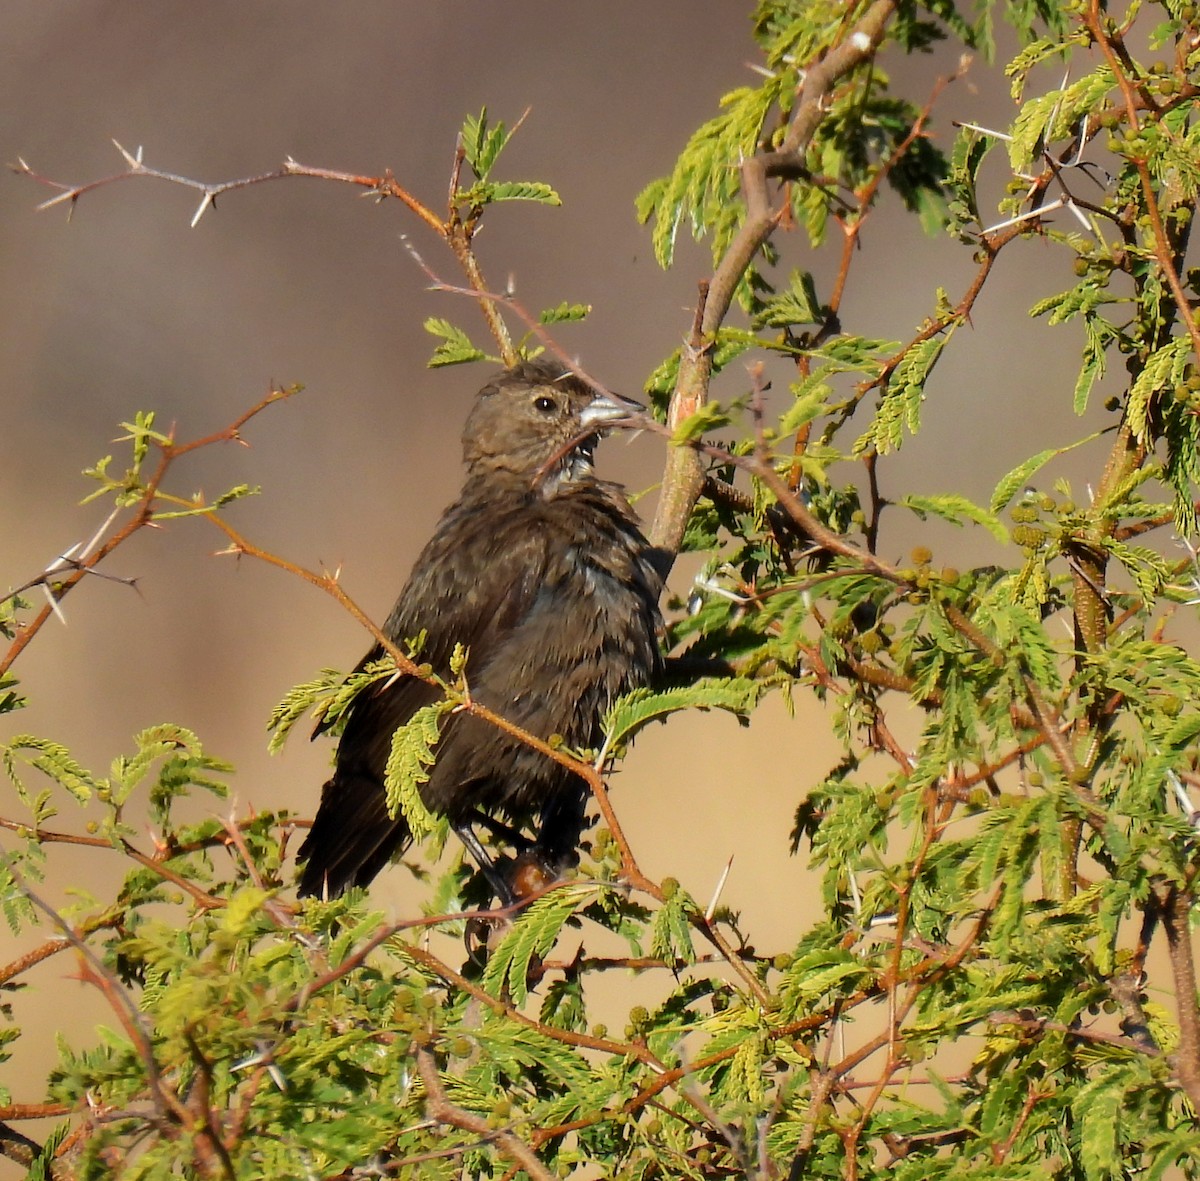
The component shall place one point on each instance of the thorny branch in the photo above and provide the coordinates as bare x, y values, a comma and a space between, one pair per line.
142, 515
441, 1109
455, 230
1176, 919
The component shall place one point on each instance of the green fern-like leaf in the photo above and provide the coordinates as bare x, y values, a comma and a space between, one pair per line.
1015, 480
534, 933
456, 347
900, 405
512, 190
328, 695
482, 144
411, 756
956, 509
565, 313
797, 305
53, 760
736, 695
671, 934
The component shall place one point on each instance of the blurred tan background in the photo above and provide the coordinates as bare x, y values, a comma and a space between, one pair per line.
128, 308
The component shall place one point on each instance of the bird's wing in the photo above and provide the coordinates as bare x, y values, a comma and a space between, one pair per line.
457, 597
477, 605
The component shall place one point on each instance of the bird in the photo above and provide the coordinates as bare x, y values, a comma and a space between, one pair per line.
540, 571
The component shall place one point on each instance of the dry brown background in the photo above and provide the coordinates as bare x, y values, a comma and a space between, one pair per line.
128, 308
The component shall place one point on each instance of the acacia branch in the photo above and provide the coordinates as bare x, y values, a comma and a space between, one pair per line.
444, 1112
171, 1114
46, 836
683, 477
1176, 920
1118, 61
110, 920
454, 230
141, 517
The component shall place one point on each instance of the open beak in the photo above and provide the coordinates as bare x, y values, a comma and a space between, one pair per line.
609, 410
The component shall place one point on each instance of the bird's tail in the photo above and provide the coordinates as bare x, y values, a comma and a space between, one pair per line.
352, 837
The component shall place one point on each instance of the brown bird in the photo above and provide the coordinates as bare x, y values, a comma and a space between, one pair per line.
540, 571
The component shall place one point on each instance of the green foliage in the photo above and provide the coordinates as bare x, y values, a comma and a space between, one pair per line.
958, 510
565, 313
481, 146
408, 764
736, 695
328, 695
456, 347
534, 934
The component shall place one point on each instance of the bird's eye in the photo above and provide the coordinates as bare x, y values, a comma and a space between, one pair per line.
544, 404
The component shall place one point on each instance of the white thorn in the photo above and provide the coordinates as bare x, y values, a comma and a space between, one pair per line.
204, 204
712, 906
133, 161
50, 598
1083, 221
1032, 213
69, 195
985, 131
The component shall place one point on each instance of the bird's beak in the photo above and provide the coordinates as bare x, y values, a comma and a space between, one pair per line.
608, 410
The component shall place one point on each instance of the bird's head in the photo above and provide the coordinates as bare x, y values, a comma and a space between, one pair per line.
539, 419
